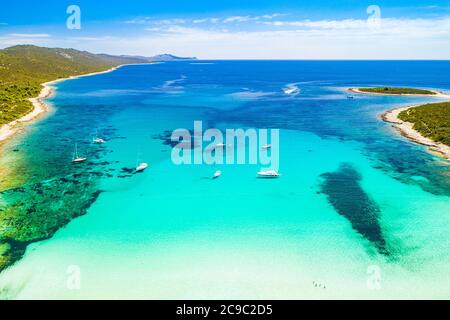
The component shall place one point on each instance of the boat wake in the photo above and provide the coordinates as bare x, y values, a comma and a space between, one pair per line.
173, 85
251, 95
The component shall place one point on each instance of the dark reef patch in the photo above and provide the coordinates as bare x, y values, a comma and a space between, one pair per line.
56, 191
349, 199
35, 212
166, 138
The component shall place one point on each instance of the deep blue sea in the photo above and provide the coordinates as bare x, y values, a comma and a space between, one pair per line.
359, 211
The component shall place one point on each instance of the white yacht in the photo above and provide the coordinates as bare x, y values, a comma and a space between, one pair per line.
266, 147
268, 174
98, 140
291, 90
141, 167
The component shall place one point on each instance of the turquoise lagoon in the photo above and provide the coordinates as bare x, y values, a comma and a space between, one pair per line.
359, 212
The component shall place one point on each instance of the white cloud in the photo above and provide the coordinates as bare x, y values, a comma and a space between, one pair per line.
308, 39
210, 20
149, 20
303, 39
238, 19
390, 25
153, 29
321, 24
273, 15
29, 35
170, 21
251, 18
19, 38
206, 20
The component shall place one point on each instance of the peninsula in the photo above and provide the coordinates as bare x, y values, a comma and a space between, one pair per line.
28, 73
27, 76
427, 124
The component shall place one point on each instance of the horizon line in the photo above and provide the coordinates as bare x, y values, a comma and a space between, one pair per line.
230, 59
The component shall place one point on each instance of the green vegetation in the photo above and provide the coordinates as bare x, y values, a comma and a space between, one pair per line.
392, 90
35, 211
431, 120
23, 69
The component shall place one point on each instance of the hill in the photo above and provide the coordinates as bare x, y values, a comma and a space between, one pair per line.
170, 57
23, 68
161, 57
431, 120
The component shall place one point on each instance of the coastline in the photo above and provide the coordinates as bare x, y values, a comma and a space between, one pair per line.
406, 129
40, 107
437, 94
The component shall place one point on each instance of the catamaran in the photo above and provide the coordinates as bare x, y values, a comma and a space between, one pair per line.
268, 174
76, 158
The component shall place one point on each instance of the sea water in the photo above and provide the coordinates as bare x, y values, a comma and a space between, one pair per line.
359, 211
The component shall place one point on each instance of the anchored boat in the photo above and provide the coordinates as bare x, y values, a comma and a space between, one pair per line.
76, 158
217, 174
141, 167
268, 174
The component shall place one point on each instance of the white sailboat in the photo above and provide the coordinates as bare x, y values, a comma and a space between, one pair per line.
140, 166
217, 174
76, 158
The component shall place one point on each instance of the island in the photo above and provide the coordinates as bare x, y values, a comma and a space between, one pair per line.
394, 91
427, 124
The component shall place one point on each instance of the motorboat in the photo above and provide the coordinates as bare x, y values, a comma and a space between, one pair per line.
268, 174
98, 140
141, 167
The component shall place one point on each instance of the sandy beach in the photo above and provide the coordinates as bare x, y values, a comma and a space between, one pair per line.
437, 94
406, 129
39, 105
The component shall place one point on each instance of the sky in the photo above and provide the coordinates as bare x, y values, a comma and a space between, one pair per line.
235, 29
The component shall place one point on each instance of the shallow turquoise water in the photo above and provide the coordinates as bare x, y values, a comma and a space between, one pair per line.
353, 193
